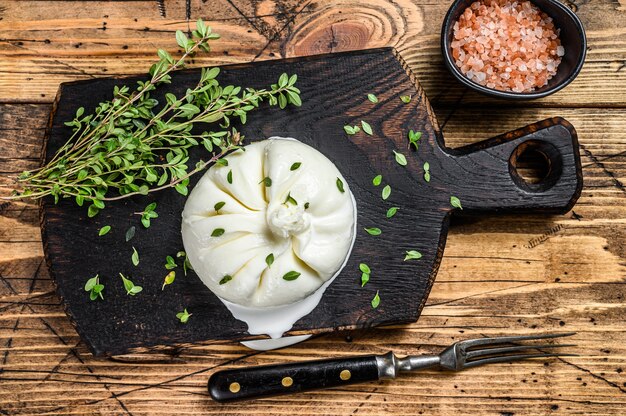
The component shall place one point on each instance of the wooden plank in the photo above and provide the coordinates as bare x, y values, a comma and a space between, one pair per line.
572, 275
492, 189
41, 47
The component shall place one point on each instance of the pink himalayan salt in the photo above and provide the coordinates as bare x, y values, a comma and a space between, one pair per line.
506, 45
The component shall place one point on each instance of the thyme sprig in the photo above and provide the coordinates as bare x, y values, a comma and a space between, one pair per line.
133, 144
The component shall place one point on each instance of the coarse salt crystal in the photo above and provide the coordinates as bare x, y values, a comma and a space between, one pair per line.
506, 45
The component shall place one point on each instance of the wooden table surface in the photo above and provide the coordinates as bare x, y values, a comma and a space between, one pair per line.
499, 275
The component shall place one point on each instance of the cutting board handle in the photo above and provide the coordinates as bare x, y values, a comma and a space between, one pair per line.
488, 178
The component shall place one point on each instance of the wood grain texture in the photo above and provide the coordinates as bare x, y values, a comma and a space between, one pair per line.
43, 46
481, 175
499, 275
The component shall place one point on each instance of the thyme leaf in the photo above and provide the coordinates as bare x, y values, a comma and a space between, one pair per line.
400, 158
414, 138
169, 279
412, 255
392, 211
183, 316
133, 144
219, 206
292, 275
365, 277
130, 233
376, 300
351, 130
366, 127
340, 185
131, 288
386, 192
135, 257
95, 288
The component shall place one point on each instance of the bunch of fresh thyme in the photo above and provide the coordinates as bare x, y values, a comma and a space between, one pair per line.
131, 146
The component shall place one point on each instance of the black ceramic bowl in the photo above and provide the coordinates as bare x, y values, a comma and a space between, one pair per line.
572, 37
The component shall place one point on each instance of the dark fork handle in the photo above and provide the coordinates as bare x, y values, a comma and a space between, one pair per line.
271, 380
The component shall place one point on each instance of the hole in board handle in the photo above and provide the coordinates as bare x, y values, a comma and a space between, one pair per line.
535, 165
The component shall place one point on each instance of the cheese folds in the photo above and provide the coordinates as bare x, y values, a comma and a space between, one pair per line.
271, 226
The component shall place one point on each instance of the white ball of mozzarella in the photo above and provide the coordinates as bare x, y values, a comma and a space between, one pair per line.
302, 219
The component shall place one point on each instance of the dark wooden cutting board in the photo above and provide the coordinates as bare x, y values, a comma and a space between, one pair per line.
334, 88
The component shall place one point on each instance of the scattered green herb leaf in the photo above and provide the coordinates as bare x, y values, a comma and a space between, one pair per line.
378, 179
91, 283
267, 181
221, 162
183, 316
376, 300
229, 176
365, 277
295, 166
186, 263
133, 144
392, 211
135, 257
365, 268
219, 206
92, 211
351, 130
386, 192
366, 127
95, 288
340, 185
372, 98
412, 255
400, 158
455, 202
130, 233
427, 171
130, 287
306, 205
170, 263
104, 230
226, 279
169, 279
148, 214
269, 260
292, 275
290, 199
405, 99
374, 231
217, 232
414, 138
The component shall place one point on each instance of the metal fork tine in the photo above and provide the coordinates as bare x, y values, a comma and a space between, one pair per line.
508, 358
503, 340
505, 350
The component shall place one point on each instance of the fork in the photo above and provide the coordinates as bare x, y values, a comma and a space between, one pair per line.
271, 380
